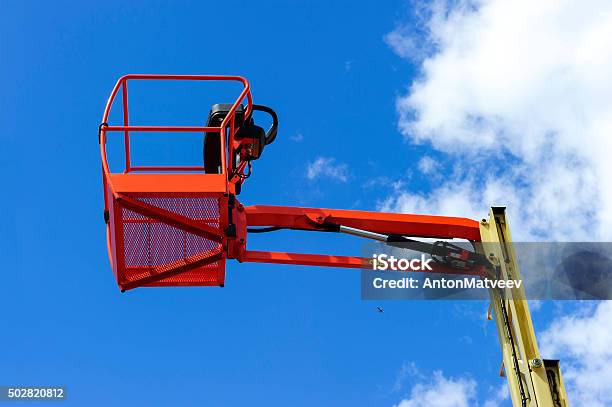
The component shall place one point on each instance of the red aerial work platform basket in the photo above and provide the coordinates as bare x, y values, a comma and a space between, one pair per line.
166, 225
177, 225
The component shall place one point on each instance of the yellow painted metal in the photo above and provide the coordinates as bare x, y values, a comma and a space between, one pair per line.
523, 366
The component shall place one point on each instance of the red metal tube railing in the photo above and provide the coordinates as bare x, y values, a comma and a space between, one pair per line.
126, 127
126, 123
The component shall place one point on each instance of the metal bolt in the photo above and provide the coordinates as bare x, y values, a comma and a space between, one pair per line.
483, 221
535, 363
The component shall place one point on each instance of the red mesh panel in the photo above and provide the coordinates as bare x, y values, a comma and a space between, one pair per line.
150, 244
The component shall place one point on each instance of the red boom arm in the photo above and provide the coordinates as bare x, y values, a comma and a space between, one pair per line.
378, 222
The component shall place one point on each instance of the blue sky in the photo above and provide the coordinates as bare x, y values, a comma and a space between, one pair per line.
275, 335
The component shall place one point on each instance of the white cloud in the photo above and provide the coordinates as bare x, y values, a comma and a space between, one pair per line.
535, 305
500, 395
428, 165
436, 390
328, 168
583, 341
408, 370
441, 392
299, 137
384, 182
449, 200
403, 43
517, 97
